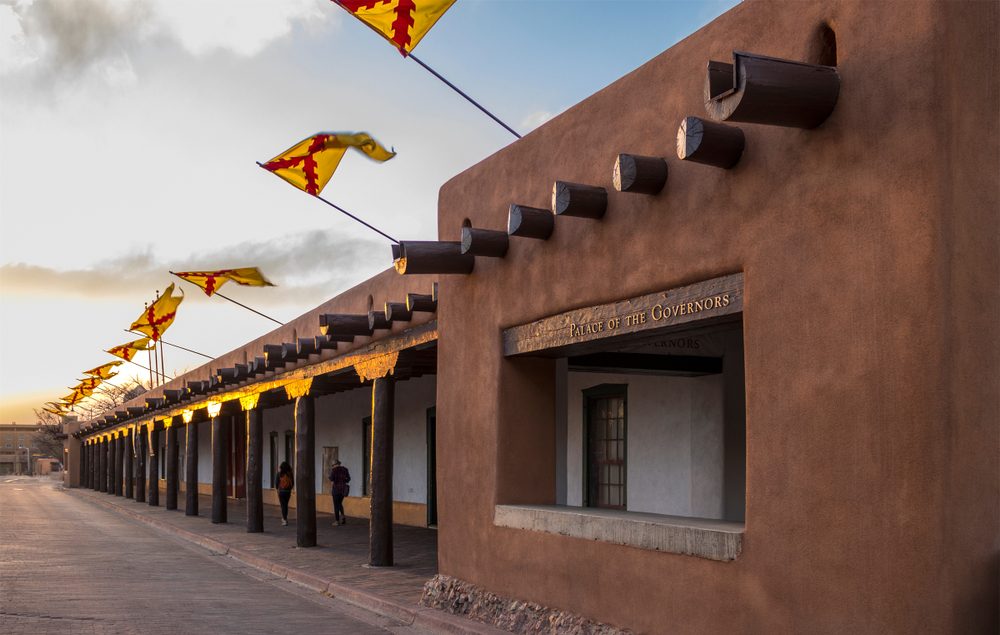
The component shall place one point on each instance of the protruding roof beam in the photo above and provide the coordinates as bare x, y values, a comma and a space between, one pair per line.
530, 222
344, 324
772, 91
639, 174
715, 144
578, 200
484, 242
433, 256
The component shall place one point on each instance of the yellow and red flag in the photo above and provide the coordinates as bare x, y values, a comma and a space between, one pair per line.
128, 351
54, 407
103, 371
54, 411
73, 398
402, 22
210, 281
88, 384
309, 164
159, 315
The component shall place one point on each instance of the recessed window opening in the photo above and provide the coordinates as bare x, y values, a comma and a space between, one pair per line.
656, 424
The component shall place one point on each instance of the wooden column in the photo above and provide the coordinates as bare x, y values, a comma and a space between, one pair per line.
305, 472
119, 463
82, 466
127, 441
255, 470
98, 445
220, 447
95, 466
380, 529
153, 463
109, 466
191, 469
140, 465
172, 465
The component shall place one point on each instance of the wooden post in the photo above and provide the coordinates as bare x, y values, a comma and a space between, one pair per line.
530, 222
191, 469
772, 91
220, 447
484, 242
305, 472
380, 530
81, 466
638, 174
109, 466
119, 463
711, 143
140, 465
580, 201
153, 464
172, 465
433, 256
255, 470
99, 465
129, 465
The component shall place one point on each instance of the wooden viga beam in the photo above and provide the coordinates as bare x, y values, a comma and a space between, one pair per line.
325, 342
484, 242
710, 143
397, 312
135, 411
306, 346
421, 302
432, 256
771, 91
639, 174
338, 325
530, 222
377, 320
578, 200
153, 403
256, 366
172, 395
274, 355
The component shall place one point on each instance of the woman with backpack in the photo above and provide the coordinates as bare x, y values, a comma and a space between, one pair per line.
340, 478
284, 482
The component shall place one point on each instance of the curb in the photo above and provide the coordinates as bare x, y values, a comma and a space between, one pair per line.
418, 616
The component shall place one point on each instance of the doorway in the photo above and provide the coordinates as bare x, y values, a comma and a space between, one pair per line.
605, 448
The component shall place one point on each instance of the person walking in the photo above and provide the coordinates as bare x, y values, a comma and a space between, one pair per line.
340, 478
284, 482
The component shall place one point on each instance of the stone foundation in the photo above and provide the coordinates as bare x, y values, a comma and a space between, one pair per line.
463, 598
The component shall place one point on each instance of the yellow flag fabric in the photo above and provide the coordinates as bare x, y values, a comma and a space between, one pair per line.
159, 315
211, 281
84, 391
73, 398
88, 383
309, 164
103, 371
54, 411
128, 351
402, 22
60, 408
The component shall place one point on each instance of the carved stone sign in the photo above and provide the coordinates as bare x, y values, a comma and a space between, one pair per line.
711, 299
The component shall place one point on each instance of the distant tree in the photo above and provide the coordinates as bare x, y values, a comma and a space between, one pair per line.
50, 433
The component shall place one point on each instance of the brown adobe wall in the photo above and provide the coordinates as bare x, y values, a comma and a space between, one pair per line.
871, 324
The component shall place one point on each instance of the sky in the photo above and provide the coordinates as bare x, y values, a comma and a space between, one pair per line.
129, 131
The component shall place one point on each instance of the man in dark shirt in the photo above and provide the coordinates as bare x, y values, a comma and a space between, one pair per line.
340, 478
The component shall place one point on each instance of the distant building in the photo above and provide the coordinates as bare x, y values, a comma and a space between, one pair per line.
17, 448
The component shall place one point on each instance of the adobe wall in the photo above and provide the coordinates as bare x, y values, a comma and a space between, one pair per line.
870, 252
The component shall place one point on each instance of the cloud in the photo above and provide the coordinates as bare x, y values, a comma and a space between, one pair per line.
535, 119
72, 39
310, 266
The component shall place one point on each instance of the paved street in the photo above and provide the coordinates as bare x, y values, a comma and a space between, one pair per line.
67, 566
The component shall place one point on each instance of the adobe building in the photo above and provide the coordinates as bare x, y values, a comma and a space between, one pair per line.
746, 378
717, 349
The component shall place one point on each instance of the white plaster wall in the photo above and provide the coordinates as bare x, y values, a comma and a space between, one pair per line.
339, 420
675, 442
204, 451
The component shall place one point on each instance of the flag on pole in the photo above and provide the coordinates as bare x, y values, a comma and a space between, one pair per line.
211, 281
402, 22
59, 408
103, 371
73, 398
309, 164
84, 391
128, 351
89, 383
54, 411
159, 315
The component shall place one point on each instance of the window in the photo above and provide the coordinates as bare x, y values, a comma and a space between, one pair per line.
366, 456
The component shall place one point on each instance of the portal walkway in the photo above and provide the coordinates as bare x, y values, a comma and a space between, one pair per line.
337, 566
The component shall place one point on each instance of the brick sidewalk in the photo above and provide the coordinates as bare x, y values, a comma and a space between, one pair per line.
337, 566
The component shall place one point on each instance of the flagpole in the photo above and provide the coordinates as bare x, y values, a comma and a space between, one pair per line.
162, 341
149, 355
346, 213
252, 310
462, 93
